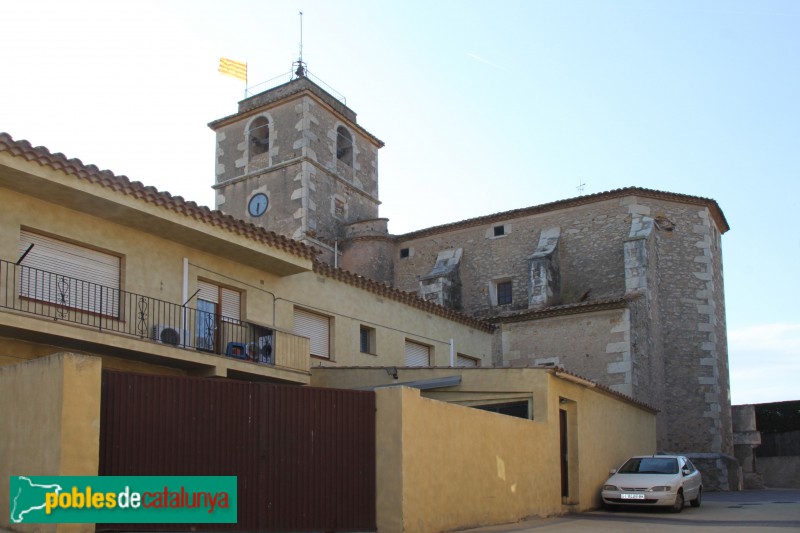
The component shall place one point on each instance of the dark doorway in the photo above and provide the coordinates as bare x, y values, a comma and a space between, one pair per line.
562, 418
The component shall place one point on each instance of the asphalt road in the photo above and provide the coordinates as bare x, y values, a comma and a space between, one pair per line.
721, 512
728, 512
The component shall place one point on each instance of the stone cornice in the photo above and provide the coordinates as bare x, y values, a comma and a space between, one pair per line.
712, 206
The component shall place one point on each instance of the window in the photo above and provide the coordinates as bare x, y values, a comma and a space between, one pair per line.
404, 253
218, 310
69, 275
650, 465
516, 409
317, 328
499, 230
417, 354
504, 291
466, 361
339, 208
344, 146
258, 136
367, 339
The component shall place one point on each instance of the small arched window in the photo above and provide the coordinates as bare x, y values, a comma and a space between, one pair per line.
259, 136
344, 146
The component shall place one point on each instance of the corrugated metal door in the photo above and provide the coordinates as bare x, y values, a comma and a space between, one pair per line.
304, 457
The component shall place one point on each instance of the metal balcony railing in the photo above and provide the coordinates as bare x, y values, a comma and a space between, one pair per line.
52, 295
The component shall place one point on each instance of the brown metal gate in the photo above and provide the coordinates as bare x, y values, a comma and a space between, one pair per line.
304, 457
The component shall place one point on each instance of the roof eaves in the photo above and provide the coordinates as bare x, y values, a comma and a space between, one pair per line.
560, 310
572, 202
407, 298
214, 124
563, 373
123, 185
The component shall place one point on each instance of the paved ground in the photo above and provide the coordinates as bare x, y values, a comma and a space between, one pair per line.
721, 512
728, 512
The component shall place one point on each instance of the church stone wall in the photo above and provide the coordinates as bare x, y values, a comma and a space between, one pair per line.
674, 354
692, 317
595, 345
590, 256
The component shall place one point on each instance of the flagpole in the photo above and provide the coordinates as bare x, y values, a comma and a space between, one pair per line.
245, 80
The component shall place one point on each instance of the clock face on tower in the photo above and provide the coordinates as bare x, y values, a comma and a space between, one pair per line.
258, 205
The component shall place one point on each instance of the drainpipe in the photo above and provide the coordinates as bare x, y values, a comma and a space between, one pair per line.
185, 297
336, 253
452, 354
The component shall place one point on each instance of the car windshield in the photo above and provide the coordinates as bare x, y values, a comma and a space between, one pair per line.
650, 465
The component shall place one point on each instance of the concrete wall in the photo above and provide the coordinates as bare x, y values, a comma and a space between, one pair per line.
50, 424
442, 466
780, 472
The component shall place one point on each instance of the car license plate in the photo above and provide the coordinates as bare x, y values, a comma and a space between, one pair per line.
632, 496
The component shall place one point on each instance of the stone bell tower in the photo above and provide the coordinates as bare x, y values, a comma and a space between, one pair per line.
294, 160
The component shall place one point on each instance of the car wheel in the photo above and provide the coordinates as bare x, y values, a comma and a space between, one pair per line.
696, 501
677, 507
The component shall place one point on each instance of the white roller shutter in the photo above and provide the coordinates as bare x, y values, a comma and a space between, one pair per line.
464, 361
68, 274
228, 301
417, 354
231, 305
316, 328
208, 291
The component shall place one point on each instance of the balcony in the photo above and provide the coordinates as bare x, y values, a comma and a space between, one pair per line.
67, 300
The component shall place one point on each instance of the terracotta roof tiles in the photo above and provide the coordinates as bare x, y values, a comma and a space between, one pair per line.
149, 194
407, 298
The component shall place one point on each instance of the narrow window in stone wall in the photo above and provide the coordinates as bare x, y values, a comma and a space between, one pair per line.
504, 292
404, 253
258, 136
344, 146
499, 230
338, 208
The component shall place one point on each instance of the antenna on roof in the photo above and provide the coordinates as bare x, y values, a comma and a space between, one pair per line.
299, 67
580, 187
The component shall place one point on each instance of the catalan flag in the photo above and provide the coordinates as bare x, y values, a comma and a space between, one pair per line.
237, 69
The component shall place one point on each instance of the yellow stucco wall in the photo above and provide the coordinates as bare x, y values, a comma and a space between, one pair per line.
462, 467
394, 322
442, 466
608, 432
61, 393
152, 253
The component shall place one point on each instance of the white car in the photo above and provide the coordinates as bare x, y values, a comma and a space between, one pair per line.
654, 480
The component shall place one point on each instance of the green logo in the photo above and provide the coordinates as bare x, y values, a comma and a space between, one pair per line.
122, 499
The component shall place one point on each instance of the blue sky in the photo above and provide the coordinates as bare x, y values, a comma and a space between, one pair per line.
484, 107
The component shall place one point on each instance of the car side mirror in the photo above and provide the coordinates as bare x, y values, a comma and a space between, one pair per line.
612, 471
685, 472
